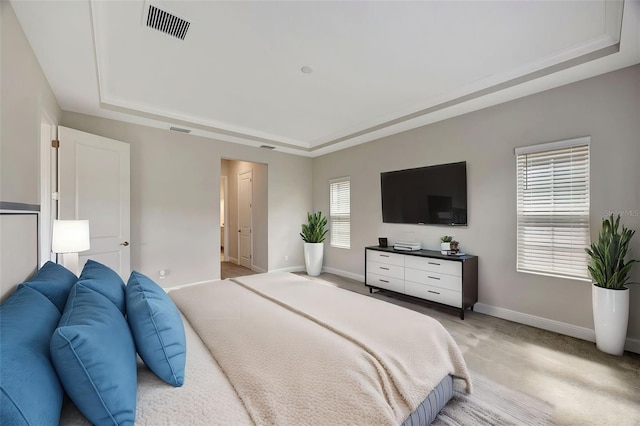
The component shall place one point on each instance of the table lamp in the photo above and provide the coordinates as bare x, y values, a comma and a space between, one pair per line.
69, 238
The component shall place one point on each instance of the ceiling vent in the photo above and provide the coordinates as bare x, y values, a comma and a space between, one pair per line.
167, 23
179, 129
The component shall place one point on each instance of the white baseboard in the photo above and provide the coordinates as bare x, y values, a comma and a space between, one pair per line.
345, 274
168, 289
631, 345
289, 269
258, 269
233, 259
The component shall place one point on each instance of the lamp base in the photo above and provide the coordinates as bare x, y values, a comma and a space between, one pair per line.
70, 261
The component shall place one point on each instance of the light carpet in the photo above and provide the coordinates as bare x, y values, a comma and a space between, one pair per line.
492, 404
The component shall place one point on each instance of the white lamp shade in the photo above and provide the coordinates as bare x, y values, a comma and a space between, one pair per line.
70, 236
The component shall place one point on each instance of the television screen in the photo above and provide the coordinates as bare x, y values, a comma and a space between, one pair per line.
426, 195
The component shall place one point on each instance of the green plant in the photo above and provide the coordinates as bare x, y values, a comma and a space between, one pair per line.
446, 239
607, 266
314, 230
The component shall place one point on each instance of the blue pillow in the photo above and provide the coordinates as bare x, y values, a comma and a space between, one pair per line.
105, 281
157, 329
94, 355
54, 281
30, 392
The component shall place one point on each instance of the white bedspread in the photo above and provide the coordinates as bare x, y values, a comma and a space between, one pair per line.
300, 352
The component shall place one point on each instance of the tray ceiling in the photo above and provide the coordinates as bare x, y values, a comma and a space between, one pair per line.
314, 77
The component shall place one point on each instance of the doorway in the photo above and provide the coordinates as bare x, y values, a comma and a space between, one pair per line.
243, 218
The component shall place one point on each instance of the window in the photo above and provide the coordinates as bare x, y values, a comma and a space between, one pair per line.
340, 212
553, 208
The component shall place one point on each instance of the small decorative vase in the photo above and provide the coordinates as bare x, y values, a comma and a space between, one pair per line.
610, 318
313, 254
445, 248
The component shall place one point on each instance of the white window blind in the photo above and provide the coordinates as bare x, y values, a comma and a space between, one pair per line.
553, 208
340, 212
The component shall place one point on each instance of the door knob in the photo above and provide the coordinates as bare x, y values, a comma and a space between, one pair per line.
126, 243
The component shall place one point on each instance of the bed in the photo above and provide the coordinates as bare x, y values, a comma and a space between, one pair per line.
281, 349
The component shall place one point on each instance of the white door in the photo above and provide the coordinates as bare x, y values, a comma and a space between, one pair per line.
94, 184
244, 217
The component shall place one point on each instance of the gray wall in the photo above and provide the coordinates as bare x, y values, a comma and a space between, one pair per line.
606, 107
25, 95
175, 193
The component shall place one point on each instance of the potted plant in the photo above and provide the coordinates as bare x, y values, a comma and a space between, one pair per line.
445, 244
313, 233
610, 273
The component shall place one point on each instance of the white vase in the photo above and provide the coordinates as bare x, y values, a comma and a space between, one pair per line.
313, 253
445, 248
610, 318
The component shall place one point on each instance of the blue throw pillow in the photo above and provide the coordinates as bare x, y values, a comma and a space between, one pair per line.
157, 328
54, 281
30, 392
95, 357
105, 281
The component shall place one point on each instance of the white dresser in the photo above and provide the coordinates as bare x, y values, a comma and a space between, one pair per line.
447, 280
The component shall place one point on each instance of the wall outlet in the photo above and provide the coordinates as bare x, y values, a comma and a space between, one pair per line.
163, 273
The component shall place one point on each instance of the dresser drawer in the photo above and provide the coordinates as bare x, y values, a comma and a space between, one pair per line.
449, 282
390, 283
436, 294
449, 267
386, 270
383, 257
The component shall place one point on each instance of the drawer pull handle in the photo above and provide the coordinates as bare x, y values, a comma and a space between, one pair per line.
434, 292
384, 255
433, 278
433, 263
386, 269
384, 281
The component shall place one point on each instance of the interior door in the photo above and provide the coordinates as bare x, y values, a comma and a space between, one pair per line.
244, 218
94, 183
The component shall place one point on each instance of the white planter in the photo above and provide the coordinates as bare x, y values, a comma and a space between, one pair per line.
610, 318
313, 253
445, 248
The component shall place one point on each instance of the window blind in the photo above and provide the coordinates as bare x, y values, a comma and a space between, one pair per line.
340, 212
553, 208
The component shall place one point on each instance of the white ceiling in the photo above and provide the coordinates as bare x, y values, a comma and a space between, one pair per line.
378, 67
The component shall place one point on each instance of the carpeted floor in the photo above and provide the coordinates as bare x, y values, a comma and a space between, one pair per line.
511, 362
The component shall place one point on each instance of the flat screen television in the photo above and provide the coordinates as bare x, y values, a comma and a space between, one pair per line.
435, 195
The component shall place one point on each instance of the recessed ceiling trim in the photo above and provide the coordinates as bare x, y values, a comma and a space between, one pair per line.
222, 133
477, 94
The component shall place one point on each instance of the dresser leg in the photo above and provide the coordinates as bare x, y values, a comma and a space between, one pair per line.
462, 314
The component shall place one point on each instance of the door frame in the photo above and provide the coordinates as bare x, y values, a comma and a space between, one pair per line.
250, 218
225, 238
48, 186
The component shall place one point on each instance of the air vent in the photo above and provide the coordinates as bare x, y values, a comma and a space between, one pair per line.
267, 147
167, 23
179, 129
